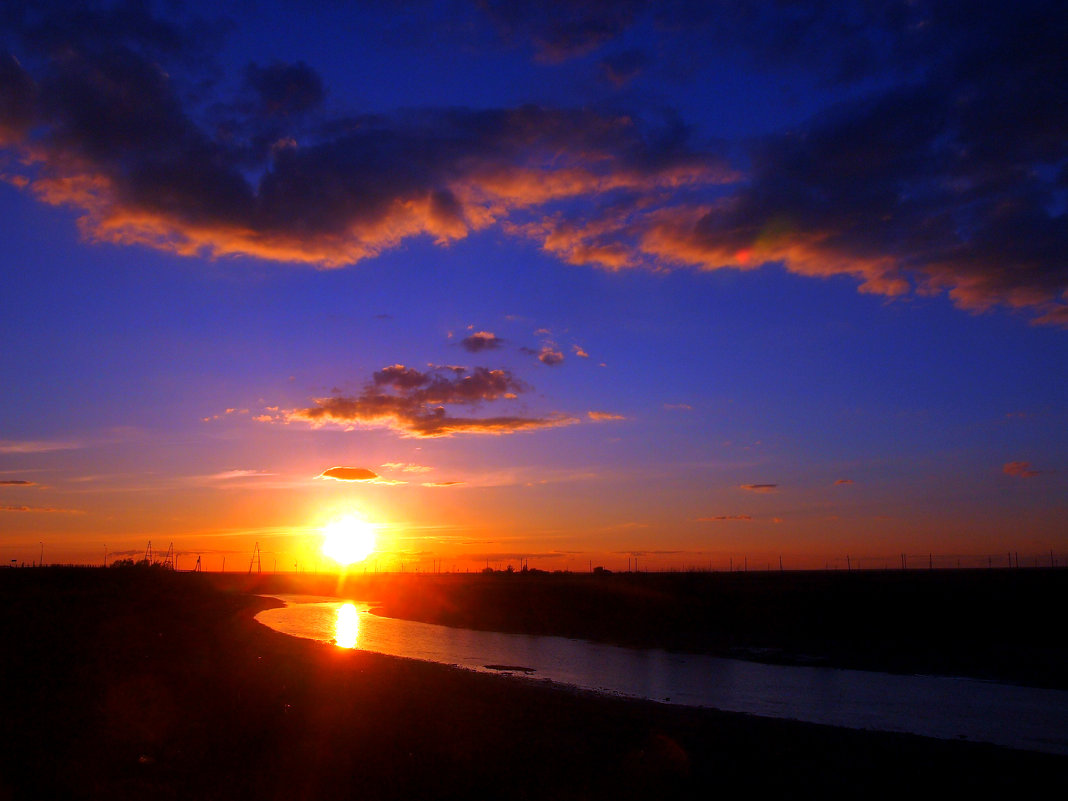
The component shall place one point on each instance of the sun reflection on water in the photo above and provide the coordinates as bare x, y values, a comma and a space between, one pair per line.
347, 627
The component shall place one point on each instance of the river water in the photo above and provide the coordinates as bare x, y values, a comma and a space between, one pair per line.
933, 706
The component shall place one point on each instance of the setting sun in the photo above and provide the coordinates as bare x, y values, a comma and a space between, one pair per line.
348, 540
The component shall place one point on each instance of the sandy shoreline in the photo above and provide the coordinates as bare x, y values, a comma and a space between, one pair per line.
140, 684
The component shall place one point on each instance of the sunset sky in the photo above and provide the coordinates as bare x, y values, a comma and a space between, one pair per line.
573, 282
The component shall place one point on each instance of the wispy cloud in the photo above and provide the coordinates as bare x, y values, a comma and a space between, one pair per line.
38, 446
842, 481
443, 483
407, 467
17, 482
760, 487
236, 475
716, 518
42, 510
1021, 470
604, 417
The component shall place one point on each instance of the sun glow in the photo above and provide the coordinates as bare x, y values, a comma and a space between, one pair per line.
348, 540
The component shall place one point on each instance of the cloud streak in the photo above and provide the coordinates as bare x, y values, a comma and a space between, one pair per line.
604, 417
41, 510
1020, 470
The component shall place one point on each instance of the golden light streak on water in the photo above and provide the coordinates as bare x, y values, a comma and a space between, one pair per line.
347, 628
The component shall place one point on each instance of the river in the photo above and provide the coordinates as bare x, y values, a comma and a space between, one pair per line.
932, 706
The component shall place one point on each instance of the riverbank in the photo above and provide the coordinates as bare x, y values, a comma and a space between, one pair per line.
146, 684
988, 624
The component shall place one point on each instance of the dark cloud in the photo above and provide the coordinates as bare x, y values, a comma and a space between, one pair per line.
414, 403
284, 90
481, 340
760, 487
843, 481
349, 474
952, 182
17, 98
945, 170
723, 517
563, 30
623, 67
17, 482
103, 124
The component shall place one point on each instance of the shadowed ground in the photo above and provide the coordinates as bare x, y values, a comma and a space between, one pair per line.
141, 683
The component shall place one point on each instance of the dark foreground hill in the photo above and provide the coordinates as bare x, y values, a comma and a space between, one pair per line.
144, 684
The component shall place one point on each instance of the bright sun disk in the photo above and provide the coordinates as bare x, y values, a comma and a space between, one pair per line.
348, 540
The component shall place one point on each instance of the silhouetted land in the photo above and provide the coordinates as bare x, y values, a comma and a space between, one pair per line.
993, 624
140, 683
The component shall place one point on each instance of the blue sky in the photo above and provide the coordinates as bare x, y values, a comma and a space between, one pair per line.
720, 282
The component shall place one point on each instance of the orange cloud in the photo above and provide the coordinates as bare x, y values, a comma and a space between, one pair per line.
413, 403
349, 474
843, 481
17, 482
602, 417
549, 355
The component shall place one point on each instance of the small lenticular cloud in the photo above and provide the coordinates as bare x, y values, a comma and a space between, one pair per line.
760, 487
842, 481
349, 474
